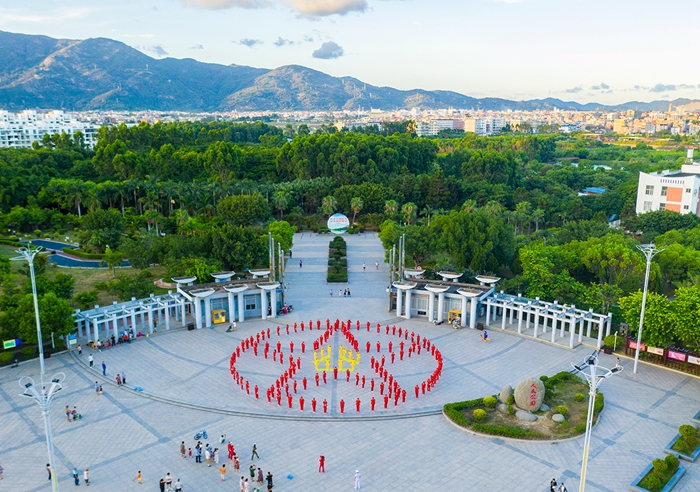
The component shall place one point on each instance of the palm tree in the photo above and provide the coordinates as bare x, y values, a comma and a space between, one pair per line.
522, 215
537, 216
90, 198
181, 217
469, 205
356, 205
329, 204
493, 207
428, 213
112, 259
280, 198
390, 208
409, 211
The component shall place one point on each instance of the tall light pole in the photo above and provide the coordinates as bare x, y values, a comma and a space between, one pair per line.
593, 378
43, 398
28, 253
649, 251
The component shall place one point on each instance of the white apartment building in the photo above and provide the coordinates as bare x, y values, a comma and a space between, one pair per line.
670, 190
435, 125
21, 130
484, 126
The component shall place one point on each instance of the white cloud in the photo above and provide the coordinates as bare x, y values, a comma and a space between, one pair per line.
227, 4
320, 8
328, 50
157, 50
249, 42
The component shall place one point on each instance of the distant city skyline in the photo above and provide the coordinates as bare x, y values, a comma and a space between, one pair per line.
593, 51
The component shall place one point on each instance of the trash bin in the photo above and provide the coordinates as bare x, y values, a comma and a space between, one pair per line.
190, 327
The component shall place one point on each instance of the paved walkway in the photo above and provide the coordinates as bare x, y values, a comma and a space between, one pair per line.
124, 431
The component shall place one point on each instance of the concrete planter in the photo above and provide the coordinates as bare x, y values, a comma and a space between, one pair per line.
683, 456
696, 418
671, 483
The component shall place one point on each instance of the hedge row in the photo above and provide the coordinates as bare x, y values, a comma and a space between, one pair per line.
337, 262
82, 254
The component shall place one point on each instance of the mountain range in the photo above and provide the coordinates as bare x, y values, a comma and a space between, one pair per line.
99, 73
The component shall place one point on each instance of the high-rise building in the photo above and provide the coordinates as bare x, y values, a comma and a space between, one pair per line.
23, 129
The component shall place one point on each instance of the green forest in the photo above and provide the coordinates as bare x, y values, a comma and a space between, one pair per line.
195, 198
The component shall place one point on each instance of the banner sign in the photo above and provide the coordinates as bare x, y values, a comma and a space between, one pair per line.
655, 350
676, 355
694, 360
338, 223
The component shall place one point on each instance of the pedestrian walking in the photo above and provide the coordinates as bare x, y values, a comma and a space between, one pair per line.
2, 470
119, 380
138, 478
241, 483
67, 413
48, 469
76, 476
299, 263
198, 453
236, 463
189, 452
104, 368
376, 265
254, 453
252, 469
216, 455
80, 350
230, 451
207, 456
97, 388
168, 481
74, 413
357, 479
364, 266
100, 392
222, 472
86, 477
222, 439
553, 485
331, 292
260, 476
123, 377
322, 464
182, 449
269, 482
562, 488
245, 485
178, 486
162, 485
90, 359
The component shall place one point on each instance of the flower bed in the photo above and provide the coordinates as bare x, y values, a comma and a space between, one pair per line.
660, 476
563, 393
686, 444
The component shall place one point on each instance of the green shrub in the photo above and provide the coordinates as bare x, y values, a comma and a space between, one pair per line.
580, 429
490, 401
511, 410
82, 254
687, 431
660, 466
544, 378
510, 400
565, 424
609, 341
579, 397
672, 461
502, 430
654, 482
28, 350
6, 357
479, 414
562, 409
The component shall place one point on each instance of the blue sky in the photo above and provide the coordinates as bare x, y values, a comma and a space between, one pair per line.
607, 51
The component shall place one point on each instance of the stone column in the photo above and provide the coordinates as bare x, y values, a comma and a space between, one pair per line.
520, 319
167, 315
79, 323
537, 322
441, 307
241, 308
472, 312
463, 320
198, 312
263, 303
512, 310
600, 332
273, 302
231, 310
143, 317
96, 330
431, 307
184, 312
150, 318
554, 327
488, 311
503, 317
399, 301
408, 304
115, 328
589, 324
207, 311
608, 326
572, 330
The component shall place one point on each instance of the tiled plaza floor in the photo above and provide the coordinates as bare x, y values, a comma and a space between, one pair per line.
123, 431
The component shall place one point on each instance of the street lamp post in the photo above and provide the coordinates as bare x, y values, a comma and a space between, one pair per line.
593, 378
649, 251
28, 253
43, 398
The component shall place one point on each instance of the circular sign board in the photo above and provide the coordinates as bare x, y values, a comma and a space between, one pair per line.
338, 223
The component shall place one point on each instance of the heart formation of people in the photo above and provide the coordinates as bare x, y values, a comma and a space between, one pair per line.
389, 349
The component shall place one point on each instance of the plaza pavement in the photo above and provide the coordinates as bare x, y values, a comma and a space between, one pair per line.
187, 387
